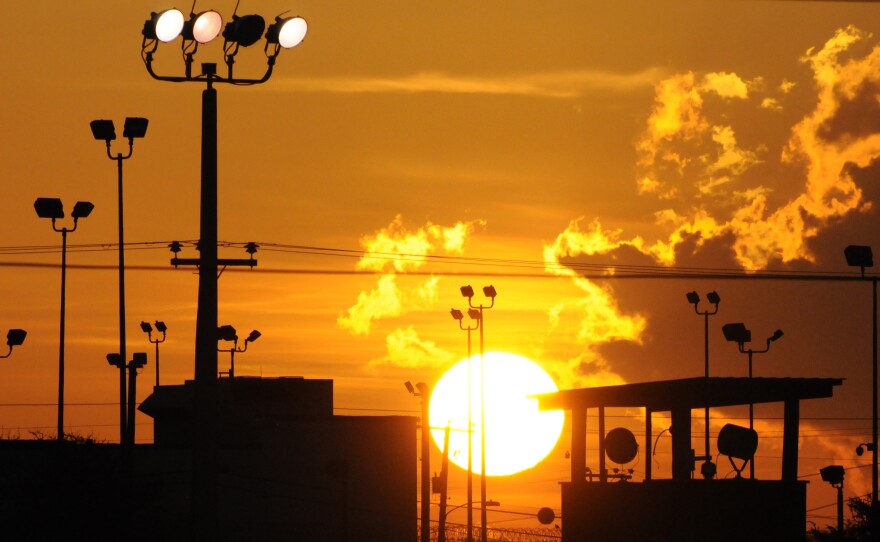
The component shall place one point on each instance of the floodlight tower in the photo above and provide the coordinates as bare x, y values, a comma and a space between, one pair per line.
739, 334
708, 469
242, 31
14, 337
862, 256
104, 130
476, 313
457, 315
54, 209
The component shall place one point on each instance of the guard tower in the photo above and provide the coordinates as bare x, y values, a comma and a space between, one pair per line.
683, 508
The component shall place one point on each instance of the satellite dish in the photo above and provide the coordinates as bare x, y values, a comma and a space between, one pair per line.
621, 446
546, 516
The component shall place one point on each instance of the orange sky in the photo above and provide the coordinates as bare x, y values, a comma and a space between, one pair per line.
708, 134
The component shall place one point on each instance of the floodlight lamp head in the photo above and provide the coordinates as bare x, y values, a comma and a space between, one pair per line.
254, 335
738, 442
776, 336
693, 298
713, 297
164, 26
859, 256
139, 359
135, 127
244, 30
833, 474
161, 327
49, 208
467, 291
203, 27
114, 359
287, 32
146, 327
103, 130
475, 314
226, 333
82, 209
15, 337
489, 291
409, 387
737, 333
457, 314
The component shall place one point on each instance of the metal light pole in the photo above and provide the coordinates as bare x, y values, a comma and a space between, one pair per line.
861, 256
468, 292
457, 314
739, 334
424, 392
54, 209
242, 31
104, 130
148, 329
708, 468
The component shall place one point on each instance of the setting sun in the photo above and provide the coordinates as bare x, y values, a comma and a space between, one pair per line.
518, 436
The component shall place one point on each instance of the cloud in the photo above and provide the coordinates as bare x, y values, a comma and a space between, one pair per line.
406, 349
591, 318
567, 84
392, 250
708, 183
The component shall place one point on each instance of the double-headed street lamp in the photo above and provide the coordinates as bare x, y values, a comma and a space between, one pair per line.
708, 468
862, 256
468, 292
104, 130
54, 209
739, 334
227, 333
242, 31
14, 337
148, 329
475, 316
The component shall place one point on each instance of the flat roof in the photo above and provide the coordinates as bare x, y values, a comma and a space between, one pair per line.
691, 393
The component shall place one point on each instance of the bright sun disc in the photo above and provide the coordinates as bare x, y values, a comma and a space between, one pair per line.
518, 435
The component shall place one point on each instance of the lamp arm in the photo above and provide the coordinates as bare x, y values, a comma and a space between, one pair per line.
7, 353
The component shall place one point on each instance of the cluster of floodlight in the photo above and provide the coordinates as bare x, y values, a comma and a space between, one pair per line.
228, 333
243, 30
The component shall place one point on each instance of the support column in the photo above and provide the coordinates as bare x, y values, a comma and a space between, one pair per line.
681, 444
790, 430
578, 445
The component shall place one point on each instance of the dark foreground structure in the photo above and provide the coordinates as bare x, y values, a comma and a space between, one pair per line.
684, 508
288, 469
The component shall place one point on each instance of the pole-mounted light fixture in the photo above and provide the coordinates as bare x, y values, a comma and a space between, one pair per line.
14, 337
738, 333
148, 329
53, 209
228, 333
708, 468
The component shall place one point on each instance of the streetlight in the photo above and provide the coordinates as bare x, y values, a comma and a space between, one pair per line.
861, 256
54, 209
424, 392
148, 329
708, 469
739, 334
227, 333
104, 130
477, 314
14, 337
457, 315
242, 31
833, 474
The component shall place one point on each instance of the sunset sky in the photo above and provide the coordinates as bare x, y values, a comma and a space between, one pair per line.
507, 143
